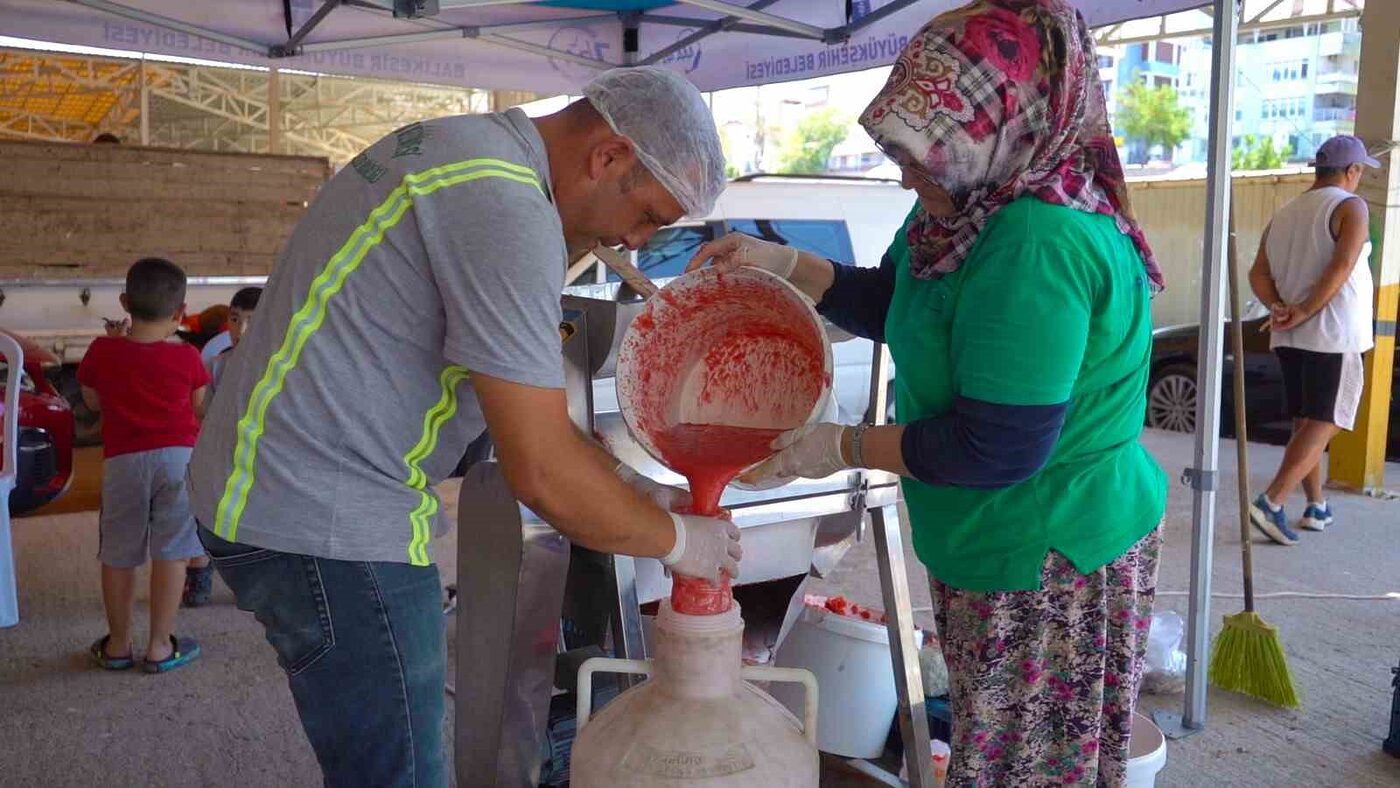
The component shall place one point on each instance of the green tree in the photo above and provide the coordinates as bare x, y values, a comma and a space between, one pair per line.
808, 145
1153, 116
1255, 153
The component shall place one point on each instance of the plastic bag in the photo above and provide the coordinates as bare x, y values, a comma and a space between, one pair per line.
934, 669
1164, 671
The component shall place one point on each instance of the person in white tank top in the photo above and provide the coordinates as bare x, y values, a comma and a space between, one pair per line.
1302, 243
1313, 272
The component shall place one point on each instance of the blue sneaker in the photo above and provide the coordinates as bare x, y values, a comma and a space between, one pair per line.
1317, 517
1272, 522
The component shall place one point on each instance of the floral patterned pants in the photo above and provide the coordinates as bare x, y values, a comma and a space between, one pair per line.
1043, 683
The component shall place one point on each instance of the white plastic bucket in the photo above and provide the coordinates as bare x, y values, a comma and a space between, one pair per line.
742, 349
1147, 753
851, 660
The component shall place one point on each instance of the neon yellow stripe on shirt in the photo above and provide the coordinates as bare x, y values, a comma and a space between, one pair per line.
312, 314
421, 518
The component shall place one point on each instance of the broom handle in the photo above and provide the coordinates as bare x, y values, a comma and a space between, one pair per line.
1241, 431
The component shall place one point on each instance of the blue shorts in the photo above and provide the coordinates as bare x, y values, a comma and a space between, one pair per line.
146, 509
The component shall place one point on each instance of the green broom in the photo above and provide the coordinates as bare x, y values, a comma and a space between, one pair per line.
1247, 656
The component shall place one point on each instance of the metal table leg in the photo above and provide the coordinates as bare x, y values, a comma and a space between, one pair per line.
899, 612
511, 575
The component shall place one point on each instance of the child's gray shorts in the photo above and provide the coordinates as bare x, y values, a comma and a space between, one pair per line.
146, 509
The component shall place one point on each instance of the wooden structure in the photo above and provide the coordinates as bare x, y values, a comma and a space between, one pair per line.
84, 211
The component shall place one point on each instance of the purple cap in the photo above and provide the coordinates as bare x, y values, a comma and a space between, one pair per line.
1343, 150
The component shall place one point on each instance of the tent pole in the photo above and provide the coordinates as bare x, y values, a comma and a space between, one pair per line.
631, 37
302, 32
145, 95
1202, 475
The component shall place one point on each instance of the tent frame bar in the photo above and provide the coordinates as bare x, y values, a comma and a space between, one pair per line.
871, 18
761, 17
323, 11
677, 21
759, 23
137, 14
493, 34
709, 29
1203, 475
750, 19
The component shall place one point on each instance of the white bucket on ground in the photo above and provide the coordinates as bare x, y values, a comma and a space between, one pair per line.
1147, 753
851, 660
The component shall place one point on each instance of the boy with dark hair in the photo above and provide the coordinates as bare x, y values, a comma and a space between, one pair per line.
150, 391
240, 314
199, 577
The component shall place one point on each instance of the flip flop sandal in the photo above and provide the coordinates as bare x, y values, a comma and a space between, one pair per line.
98, 650
186, 651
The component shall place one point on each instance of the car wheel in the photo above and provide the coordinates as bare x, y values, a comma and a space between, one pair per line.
1171, 398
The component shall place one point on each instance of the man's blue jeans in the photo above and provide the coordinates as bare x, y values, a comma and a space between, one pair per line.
364, 647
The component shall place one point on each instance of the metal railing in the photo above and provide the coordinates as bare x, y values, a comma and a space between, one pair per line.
1324, 114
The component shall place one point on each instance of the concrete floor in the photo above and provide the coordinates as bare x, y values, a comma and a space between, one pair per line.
229, 720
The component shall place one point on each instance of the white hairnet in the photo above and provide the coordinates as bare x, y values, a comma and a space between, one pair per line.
674, 132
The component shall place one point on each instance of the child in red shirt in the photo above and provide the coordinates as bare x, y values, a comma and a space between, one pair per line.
150, 392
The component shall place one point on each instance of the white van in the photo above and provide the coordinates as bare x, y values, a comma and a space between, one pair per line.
848, 220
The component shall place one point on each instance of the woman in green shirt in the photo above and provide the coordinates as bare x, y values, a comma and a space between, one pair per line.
1015, 302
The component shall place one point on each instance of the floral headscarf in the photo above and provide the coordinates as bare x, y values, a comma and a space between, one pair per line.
994, 101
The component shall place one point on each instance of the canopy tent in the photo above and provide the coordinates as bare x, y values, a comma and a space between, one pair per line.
556, 47
545, 47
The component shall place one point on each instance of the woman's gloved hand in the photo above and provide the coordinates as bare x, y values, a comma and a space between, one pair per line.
737, 249
812, 452
663, 495
704, 546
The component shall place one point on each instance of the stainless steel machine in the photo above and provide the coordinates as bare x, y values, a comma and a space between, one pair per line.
532, 606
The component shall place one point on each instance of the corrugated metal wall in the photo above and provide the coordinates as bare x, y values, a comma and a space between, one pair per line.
1173, 213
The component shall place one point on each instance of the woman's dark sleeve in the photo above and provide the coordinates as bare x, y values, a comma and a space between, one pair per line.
859, 298
982, 444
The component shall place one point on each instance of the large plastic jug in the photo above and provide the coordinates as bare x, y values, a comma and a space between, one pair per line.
697, 721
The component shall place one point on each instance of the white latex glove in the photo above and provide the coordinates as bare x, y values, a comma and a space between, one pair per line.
663, 495
812, 452
737, 249
704, 546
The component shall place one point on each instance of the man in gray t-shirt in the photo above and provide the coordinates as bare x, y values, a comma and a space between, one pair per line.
416, 304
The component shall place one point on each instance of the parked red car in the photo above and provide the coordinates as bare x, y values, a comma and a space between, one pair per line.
45, 431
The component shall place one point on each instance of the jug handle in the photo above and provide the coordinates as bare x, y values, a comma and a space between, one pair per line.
794, 676
585, 682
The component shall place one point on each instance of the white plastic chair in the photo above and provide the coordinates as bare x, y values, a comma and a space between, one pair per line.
9, 592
